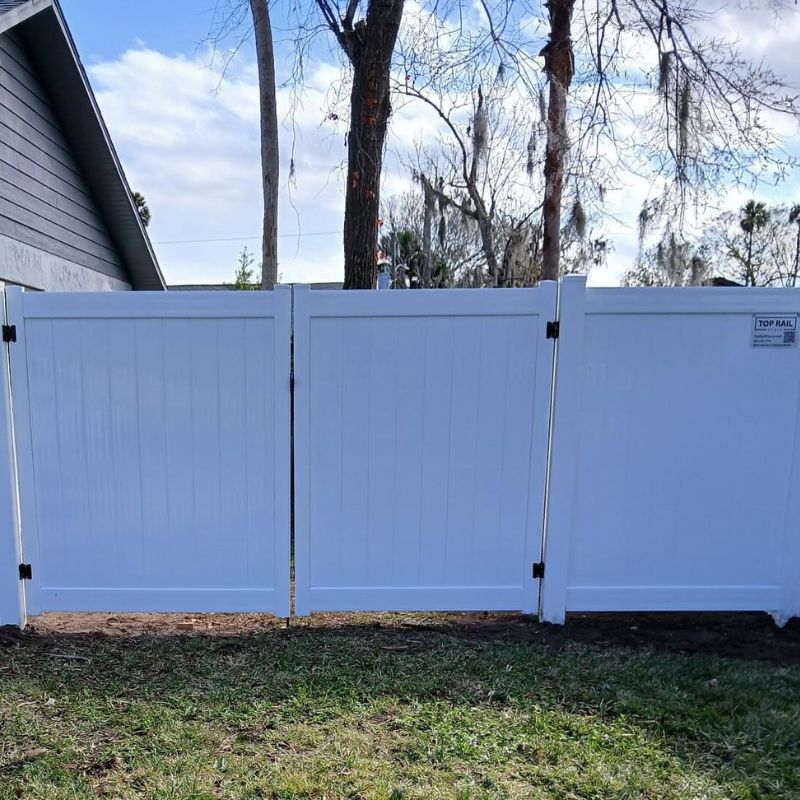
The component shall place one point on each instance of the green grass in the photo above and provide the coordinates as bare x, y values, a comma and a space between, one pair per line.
365, 712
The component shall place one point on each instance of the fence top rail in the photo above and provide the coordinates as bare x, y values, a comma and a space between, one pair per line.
426, 302
693, 300
158, 305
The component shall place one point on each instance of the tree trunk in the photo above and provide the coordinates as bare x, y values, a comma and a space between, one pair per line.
269, 141
796, 257
559, 66
487, 243
369, 46
429, 203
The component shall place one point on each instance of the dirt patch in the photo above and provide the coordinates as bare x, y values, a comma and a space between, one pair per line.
746, 636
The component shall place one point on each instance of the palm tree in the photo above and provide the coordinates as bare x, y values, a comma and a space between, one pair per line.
794, 219
142, 208
755, 217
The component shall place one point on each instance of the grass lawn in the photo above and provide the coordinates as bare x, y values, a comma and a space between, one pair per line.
391, 710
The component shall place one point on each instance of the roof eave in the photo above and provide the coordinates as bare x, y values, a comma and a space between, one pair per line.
13, 17
132, 238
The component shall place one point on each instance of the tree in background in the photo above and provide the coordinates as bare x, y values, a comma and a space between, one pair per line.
559, 66
270, 161
457, 250
794, 219
755, 247
755, 217
142, 208
673, 261
238, 20
244, 278
697, 119
368, 44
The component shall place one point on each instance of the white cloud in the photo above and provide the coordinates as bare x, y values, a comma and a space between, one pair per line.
190, 143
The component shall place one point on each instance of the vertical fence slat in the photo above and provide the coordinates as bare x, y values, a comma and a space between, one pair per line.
302, 403
537, 479
564, 443
12, 591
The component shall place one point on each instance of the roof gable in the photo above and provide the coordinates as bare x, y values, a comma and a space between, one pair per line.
40, 26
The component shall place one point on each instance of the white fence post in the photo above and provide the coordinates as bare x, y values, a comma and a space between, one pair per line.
301, 295
789, 570
563, 447
12, 589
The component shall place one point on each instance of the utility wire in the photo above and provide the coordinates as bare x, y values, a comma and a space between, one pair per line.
329, 233
247, 238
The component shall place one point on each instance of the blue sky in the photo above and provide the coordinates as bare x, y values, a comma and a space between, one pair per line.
189, 140
103, 29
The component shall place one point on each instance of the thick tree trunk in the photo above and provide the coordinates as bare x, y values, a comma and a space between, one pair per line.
369, 46
559, 65
269, 141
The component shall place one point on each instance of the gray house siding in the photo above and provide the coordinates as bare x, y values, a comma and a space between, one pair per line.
45, 203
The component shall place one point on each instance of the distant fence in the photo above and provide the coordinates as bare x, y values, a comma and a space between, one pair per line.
553, 449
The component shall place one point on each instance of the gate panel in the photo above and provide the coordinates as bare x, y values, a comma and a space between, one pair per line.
420, 448
675, 473
153, 437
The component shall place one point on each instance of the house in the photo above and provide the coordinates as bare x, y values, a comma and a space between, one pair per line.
67, 218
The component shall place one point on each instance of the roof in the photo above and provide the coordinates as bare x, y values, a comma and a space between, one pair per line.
41, 26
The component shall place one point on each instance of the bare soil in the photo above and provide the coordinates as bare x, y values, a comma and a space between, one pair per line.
744, 636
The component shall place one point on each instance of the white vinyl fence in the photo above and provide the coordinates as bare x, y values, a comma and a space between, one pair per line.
452, 449
421, 425
675, 472
153, 444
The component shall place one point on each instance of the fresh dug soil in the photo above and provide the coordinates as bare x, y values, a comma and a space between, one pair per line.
746, 636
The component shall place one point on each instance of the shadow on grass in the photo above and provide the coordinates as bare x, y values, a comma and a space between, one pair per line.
394, 708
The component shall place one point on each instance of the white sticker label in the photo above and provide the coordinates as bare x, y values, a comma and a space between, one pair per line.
775, 331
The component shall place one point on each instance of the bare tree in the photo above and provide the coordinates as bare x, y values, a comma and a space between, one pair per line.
270, 161
698, 118
755, 247
559, 65
368, 43
752, 247
237, 20
673, 261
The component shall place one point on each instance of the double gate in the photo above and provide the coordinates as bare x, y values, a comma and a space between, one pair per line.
554, 449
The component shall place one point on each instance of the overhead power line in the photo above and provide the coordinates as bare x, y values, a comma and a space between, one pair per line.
630, 232
247, 238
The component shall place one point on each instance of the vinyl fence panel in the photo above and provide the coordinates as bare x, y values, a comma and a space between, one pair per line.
421, 421
674, 476
153, 433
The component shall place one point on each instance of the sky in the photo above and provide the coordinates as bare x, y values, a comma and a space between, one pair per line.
188, 137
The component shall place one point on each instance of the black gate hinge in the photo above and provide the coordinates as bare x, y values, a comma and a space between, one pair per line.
552, 329
9, 333
538, 569
25, 572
